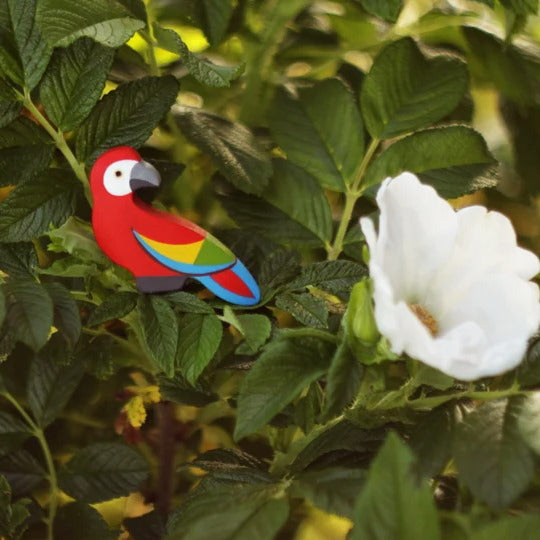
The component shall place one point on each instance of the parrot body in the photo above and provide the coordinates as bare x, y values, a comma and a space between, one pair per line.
160, 249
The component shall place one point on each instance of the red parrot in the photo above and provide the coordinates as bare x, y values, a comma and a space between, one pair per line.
160, 249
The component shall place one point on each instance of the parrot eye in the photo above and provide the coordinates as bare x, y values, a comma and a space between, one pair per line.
118, 174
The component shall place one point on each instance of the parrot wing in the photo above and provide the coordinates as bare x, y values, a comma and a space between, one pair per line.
203, 257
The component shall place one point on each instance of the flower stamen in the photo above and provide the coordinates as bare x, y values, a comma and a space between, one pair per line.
426, 318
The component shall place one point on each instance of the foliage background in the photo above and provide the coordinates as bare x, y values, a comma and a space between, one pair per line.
271, 123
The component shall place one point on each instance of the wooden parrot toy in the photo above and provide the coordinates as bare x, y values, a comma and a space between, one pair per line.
160, 249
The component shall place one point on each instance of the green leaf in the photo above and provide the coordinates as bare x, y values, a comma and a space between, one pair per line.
188, 303
305, 308
343, 381
256, 330
9, 112
31, 207
431, 440
30, 313
321, 131
24, 53
126, 116
335, 277
13, 518
74, 82
528, 421
66, 313
180, 391
204, 71
513, 69
404, 91
198, 341
22, 471
149, 526
103, 471
18, 260
115, 306
231, 146
298, 195
387, 9
2, 307
522, 7
105, 21
392, 505
24, 151
524, 527
283, 370
214, 16
160, 330
13, 432
257, 215
242, 513
51, 385
78, 520
492, 458
454, 159
333, 490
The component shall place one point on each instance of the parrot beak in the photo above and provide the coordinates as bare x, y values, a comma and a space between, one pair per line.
144, 175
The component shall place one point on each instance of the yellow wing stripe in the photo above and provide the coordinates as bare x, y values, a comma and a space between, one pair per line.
185, 253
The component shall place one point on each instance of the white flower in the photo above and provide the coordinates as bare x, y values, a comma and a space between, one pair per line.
451, 288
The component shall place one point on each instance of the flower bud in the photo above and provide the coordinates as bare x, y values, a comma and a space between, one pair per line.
360, 320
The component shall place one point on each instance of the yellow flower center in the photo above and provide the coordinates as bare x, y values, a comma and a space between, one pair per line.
426, 318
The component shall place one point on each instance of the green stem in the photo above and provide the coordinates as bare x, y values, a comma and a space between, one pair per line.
123, 343
58, 137
51, 469
353, 193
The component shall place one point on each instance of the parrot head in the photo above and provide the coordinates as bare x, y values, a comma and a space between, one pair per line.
121, 171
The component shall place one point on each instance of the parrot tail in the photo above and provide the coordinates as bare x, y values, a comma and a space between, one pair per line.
235, 285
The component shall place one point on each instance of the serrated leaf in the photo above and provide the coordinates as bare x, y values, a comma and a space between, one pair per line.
198, 340
305, 308
455, 160
333, 490
103, 471
24, 53
214, 16
242, 513
31, 207
105, 21
180, 391
342, 381
203, 70
404, 91
126, 116
523, 526
78, 520
115, 306
276, 379
24, 151
12, 517
30, 313
160, 331
66, 313
74, 82
492, 458
231, 146
278, 268
256, 330
335, 277
321, 131
9, 112
387, 9
255, 214
392, 505
23, 472
13, 432
529, 421
188, 303
51, 385
18, 260
298, 195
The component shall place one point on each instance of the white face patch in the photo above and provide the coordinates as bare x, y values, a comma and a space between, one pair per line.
117, 176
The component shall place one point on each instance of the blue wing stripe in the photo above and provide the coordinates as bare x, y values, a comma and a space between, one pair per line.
243, 273
185, 268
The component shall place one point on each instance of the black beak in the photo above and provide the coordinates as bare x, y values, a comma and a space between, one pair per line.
143, 175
